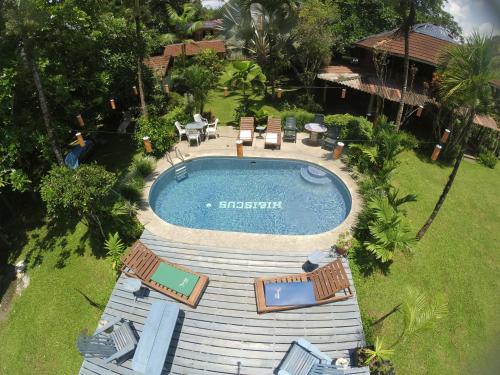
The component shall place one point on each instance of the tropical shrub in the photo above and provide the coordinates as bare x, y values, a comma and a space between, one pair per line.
115, 249
355, 128
388, 230
83, 192
142, 165
161, 130
307, 102
488, 159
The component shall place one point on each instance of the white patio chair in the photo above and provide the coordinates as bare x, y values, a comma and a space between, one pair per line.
212, 129
193, 135
197, 118
180, 130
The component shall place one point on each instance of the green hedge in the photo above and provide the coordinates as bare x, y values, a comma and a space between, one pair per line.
351, 127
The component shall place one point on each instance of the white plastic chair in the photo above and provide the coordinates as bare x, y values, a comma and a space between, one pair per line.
193, 135
197, 118
212, 129
180, 130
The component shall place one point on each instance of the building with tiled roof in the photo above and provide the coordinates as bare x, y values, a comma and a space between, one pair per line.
162, 63
427, 41
359, 75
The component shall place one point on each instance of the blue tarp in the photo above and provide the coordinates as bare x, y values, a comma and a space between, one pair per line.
293, 293
71, 159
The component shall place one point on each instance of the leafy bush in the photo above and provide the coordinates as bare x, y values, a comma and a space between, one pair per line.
351, 127
84, 191
307, 102
142, 165
115, 248
488, 159
131, 187
161, 130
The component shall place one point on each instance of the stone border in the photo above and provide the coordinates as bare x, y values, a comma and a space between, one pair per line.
158, 226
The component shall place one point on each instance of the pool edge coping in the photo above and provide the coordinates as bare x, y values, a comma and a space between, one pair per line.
158, 226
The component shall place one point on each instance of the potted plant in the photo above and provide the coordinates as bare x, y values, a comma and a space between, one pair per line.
376, 357
344, 243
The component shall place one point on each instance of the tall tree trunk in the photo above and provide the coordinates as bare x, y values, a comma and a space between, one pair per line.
144, 108
406, 68
451, 179
43, 103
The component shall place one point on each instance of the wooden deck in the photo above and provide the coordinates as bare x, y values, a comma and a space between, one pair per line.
224, 334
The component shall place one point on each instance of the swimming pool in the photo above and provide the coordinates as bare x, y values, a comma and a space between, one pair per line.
253, 195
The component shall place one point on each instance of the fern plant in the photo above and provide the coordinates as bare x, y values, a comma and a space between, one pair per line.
115, 248
389, 232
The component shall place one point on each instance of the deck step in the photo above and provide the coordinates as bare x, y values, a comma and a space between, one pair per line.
314, 177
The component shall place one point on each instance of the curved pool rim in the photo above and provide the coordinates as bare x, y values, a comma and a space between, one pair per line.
339, 183
153, 224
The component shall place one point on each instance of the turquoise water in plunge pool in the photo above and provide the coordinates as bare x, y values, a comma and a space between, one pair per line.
254, 195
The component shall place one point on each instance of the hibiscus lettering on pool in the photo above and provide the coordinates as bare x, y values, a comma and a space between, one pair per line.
251, 205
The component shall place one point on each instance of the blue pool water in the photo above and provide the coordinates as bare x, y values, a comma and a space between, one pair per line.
254, 195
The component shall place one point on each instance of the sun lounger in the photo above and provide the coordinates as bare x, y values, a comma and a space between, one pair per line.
171, 279
246, 129
323, 285
273, 132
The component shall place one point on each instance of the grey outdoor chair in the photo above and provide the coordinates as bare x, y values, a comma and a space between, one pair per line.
319, 118
111, 346
193, 135
331, 138
303, 358
290, 130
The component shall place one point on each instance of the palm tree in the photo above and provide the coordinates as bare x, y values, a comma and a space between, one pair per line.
407, 11
138, 12
465, 72
247, 76
264, 29
184, 23
24, 20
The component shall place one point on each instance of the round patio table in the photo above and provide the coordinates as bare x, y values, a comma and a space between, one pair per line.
200, 126
315, 129
196, 125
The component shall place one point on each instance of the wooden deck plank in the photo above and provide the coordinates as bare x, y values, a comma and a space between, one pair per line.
225, 329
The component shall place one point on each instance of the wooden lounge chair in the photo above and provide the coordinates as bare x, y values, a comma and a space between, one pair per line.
330, 284
273, 132
246, 129
142, 263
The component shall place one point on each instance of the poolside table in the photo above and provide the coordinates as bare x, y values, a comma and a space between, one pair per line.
200, 126
315, 129
152, 349
260, 129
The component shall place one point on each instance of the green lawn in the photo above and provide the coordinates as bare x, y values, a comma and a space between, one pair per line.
458, 261
223, 107
70, 283
68, 288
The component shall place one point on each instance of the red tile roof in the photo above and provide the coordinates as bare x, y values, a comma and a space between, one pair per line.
423, 48
158, 64
495, 83
194, 48
357, 78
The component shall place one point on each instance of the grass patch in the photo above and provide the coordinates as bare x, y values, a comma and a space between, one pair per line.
457, 261
68, 289
70, 282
